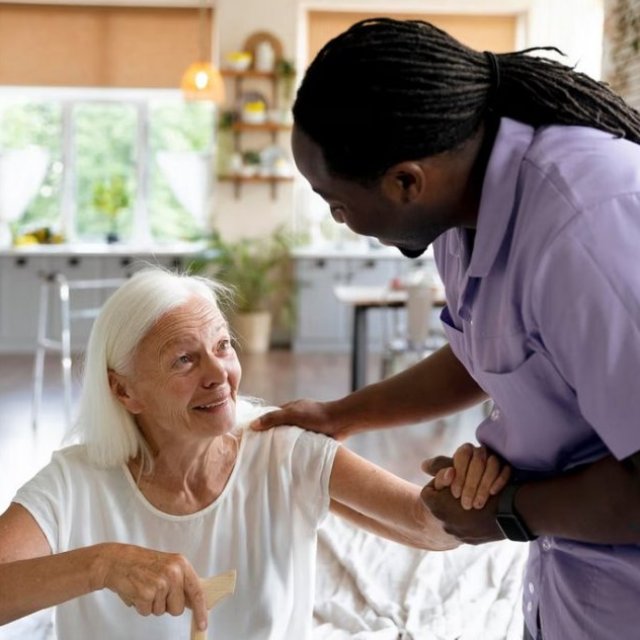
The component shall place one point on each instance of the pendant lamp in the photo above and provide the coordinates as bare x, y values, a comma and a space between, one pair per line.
201, 80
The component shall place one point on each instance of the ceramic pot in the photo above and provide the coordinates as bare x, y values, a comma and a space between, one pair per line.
253, 331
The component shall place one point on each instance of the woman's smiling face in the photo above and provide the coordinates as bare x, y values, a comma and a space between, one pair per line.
185, 374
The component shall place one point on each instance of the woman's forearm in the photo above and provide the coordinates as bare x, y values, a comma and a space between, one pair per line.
27, 586
417, 528
436, 386
383, 503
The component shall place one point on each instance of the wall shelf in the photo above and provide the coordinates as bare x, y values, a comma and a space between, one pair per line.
250, 73
239, 180
270, 127
245, 133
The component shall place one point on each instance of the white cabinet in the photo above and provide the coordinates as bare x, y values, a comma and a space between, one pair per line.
20, 282
323, 323
19, 288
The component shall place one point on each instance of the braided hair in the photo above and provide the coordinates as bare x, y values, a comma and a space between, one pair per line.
385, 91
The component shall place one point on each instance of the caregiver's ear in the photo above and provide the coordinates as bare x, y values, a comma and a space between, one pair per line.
404, 182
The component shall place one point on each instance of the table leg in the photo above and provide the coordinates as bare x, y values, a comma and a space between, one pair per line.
359, 348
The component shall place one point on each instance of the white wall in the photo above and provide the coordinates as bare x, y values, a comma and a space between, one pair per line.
575, 26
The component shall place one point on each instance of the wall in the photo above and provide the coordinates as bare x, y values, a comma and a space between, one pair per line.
621, 62
575, 26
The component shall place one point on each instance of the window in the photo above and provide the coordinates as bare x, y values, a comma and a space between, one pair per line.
61, 151
496, 32
30, 162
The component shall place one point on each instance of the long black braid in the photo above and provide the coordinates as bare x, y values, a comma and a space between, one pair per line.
388, 90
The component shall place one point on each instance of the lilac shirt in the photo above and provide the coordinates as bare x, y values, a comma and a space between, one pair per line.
545, 315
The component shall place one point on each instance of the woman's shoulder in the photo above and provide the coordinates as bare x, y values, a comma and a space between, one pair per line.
248, 409
73, 461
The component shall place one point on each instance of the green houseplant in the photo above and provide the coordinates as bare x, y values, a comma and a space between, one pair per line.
258, 270
286, 73
110, 197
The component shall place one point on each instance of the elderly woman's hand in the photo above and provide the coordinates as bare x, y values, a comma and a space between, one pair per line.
474, 474
153, 582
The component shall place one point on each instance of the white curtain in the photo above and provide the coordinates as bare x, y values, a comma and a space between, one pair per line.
21, 174
188, 174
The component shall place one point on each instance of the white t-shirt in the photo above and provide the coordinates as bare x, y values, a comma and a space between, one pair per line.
263, 525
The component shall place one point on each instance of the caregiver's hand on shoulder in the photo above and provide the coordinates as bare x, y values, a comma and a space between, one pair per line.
152, 581
307, 414
474, 474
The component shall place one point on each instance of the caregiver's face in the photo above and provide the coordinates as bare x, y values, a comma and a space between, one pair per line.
408, 207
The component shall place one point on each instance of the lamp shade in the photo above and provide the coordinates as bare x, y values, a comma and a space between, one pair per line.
202, 81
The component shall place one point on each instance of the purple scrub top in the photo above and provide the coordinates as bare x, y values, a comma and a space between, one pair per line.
545, 315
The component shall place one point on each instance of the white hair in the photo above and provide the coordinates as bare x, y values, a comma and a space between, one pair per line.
103, 424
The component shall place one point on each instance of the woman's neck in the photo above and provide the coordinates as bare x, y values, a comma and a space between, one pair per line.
186, 480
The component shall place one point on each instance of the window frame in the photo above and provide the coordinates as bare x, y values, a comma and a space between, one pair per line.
140, 99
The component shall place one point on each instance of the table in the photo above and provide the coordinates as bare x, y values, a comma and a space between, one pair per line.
362, 298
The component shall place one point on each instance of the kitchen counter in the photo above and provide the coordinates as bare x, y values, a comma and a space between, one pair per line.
103, 249
354, 250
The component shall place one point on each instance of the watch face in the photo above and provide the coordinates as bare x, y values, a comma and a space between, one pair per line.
512, 528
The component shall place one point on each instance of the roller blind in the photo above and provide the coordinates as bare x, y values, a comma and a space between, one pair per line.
492, 32
94, 46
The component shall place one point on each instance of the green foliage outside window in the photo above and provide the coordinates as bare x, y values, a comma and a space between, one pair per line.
187, 126
23, 124
105, 138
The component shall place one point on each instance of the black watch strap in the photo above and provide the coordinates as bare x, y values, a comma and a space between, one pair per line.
508, 519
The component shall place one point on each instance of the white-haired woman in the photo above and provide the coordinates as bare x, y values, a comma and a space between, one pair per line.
165, 487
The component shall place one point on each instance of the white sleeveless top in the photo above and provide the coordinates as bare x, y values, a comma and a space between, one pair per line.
263, 525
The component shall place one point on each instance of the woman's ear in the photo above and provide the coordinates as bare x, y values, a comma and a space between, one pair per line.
404, 182
120, 388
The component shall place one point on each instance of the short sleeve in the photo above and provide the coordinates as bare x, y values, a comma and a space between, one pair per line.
44, 498
311, 464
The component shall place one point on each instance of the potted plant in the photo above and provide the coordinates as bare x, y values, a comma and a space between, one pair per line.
258, 270
110, 197
286, 73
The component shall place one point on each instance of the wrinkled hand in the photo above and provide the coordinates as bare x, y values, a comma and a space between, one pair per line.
473, 474
153, 582
307, 414
475, 526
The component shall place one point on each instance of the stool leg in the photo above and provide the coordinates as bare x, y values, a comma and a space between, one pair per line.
38, 367
66, 348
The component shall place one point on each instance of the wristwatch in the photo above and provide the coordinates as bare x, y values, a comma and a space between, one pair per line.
508, 519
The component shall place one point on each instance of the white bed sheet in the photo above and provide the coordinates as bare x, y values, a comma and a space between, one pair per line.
371, 588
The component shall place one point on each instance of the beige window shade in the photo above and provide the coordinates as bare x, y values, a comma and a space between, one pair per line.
494, 33
88, 46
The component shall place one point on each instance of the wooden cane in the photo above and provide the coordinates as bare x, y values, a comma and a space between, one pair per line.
215, 588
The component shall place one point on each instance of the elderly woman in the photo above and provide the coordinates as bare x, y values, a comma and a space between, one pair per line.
165, 487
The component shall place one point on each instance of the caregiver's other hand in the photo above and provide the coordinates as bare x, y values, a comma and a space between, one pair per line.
152, 581
474, 474
474, 526
307, 414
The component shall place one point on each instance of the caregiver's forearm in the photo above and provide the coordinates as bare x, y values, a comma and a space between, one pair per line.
436, 386
599, 504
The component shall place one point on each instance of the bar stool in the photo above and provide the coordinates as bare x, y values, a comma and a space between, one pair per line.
409, 344
61, 288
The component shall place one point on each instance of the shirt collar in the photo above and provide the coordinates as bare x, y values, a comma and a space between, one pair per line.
498, 193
